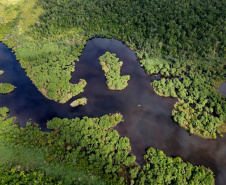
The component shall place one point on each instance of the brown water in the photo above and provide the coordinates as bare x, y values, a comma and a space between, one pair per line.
148, 121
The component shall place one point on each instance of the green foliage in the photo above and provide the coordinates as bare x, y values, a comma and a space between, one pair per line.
80, 101
167, 29
16, 176
112, 67
32, 163
4, 111
48, 62
5, 29
78, 151
160, 169
152, 27
51, 66
201, 109
50, 44
6, 88
133, 172
85, 143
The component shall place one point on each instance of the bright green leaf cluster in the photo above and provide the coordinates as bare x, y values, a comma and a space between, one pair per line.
111, 66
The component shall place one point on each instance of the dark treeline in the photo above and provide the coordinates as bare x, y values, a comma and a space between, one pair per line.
191, 29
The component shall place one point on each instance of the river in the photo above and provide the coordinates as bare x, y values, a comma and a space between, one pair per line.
148, 121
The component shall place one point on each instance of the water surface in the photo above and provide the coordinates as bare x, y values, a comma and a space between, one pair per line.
148, 121
222, 89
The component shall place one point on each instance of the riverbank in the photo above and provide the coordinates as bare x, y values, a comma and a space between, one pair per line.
100, 153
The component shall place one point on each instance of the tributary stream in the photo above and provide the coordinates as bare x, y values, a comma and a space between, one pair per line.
148, 121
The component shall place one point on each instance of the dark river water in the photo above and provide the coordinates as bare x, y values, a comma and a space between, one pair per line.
222, 89
148, 121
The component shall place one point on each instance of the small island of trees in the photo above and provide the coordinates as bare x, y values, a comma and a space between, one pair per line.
6, 88
111, 66
80, 101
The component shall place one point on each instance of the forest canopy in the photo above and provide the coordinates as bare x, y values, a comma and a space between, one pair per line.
191, 30
182, 40
85, 150
111, 66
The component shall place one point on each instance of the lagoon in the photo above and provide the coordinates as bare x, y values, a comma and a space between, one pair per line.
148, 121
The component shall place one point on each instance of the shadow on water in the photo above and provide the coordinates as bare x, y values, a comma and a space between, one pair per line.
222, 89
148, 121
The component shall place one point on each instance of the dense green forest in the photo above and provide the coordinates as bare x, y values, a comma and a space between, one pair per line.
201, 109
111, 66
47, 61
89, 149
182, 40
189, 30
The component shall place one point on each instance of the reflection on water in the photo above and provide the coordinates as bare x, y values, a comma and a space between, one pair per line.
148, 121
222, 89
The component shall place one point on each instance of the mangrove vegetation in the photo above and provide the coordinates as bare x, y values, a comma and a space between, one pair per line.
111, 66
48, 36
88, 148
184, 41
80, 101
201, 109
6, 88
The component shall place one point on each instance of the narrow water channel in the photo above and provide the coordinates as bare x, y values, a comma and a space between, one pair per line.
222, 89
148, 121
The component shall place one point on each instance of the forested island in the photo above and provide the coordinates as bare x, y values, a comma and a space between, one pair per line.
6, 88
80, 101
184, 41
111, 66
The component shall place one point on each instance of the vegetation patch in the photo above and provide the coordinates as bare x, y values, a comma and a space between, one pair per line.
87, 150
201, 109
23, 165
48, 36
80, 101
4, 111
48, 62
111, 66
187, 42
161, 169
6, 88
